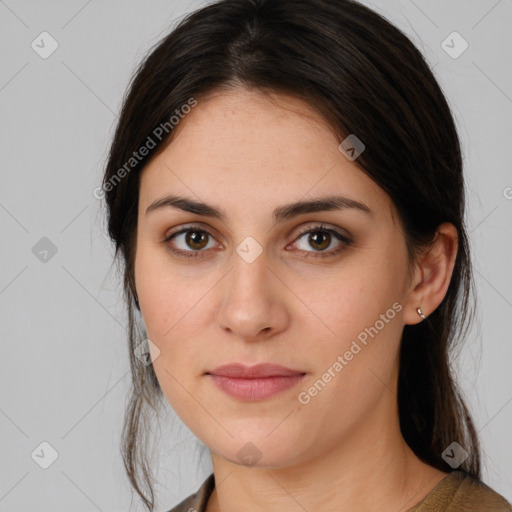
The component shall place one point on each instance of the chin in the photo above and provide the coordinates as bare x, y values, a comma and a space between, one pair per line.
259, 452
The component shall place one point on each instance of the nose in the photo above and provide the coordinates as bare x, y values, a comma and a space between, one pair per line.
252, 300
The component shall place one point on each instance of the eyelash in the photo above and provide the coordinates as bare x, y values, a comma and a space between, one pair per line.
345, 242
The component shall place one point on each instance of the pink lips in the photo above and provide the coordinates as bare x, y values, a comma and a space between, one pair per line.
254, 382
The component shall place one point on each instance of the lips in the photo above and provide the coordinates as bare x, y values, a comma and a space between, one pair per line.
238, 370
255, 382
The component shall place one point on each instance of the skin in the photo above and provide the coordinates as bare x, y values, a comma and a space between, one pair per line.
247, 153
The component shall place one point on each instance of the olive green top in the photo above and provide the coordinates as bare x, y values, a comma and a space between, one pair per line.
457, 492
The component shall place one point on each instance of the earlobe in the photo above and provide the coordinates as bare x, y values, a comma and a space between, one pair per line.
435, 268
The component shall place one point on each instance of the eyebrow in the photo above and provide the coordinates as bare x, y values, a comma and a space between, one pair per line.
280, 214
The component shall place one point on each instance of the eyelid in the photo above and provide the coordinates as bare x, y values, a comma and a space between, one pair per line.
320, 226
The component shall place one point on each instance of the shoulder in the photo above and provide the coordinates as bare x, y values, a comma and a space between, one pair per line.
197, 502
460, 492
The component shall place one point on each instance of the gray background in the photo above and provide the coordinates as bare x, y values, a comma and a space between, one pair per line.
64, 371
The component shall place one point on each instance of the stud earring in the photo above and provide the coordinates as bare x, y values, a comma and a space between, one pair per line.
421, 313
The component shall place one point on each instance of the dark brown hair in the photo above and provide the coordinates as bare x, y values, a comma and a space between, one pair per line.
365, 77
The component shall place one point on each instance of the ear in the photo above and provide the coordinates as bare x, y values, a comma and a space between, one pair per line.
432, 275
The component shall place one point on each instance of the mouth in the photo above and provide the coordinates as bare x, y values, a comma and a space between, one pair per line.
254, 383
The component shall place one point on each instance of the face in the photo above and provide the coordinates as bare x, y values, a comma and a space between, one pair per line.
317, 290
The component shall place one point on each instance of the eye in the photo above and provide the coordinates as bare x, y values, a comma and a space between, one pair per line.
320, 238
191, 241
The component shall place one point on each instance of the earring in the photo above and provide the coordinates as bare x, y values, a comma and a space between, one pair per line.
421, 313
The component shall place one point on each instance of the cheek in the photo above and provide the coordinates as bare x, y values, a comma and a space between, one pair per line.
172, 315
163, 300
163, 295
356, 364
358, 318
351, 299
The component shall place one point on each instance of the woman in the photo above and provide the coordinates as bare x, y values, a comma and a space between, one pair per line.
285, 189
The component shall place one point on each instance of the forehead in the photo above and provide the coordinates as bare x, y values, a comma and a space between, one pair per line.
242, 128
256, 149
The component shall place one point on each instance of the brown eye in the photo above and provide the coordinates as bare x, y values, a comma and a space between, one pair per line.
190, 242
196, 239
319, 240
